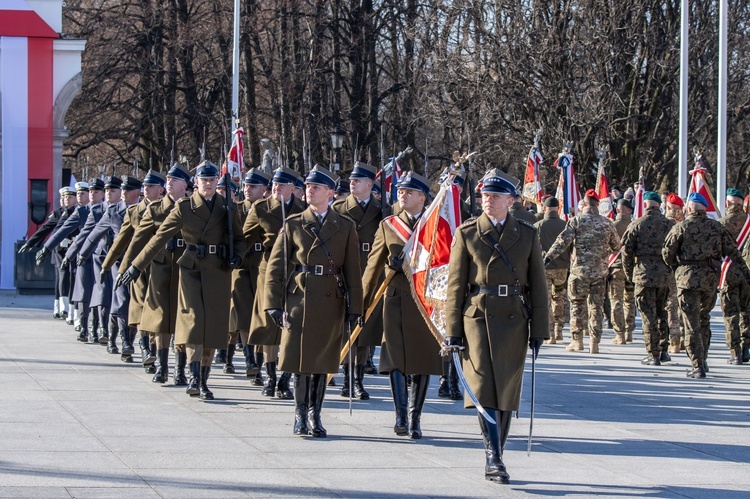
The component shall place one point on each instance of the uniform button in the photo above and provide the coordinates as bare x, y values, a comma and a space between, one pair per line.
328, 294
510, 316
515, 269
489, 316
492, 268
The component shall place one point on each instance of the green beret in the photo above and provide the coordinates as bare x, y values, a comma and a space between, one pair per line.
551, 202
735, 192
651, 196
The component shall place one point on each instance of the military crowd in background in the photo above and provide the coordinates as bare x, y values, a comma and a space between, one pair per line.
284, 272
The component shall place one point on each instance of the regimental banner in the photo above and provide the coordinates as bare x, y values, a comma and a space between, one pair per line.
698, 184
567, 189
427, 256
235, 163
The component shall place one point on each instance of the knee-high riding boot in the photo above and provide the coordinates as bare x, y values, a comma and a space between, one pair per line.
400, 403
317, 390
494, 468
301, 402
419, 385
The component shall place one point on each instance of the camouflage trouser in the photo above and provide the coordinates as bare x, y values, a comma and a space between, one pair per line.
556, 281
586, 303
622, 298
652, 305
673, 312
735, 300
695, 310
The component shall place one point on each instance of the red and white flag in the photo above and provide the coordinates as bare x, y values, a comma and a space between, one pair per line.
392, 176
605, 198
235, 163
698, 184
638, 198
428, 253
567, 188
532, 187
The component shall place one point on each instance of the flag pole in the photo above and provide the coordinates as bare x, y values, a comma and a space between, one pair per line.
236, 65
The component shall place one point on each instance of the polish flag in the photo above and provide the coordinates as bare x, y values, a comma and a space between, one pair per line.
235, 162
698, 184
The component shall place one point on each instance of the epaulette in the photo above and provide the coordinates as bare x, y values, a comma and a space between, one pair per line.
347, 217
527, 224
467, 222
183, 200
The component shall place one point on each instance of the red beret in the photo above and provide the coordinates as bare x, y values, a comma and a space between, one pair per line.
591, 193
675, 199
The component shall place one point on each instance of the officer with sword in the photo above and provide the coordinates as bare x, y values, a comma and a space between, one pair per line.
497, 307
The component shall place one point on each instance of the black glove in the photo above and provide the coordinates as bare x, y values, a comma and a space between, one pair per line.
234, 262
354, 320
102, 275
64, 264
277, 316
41, 256
127, 277
535, 344
80, 260
396, 263
546, 261
24, 248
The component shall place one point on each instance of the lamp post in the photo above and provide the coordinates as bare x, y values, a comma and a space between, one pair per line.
337, 140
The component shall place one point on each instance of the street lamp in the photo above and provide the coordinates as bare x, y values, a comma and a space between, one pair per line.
337, 140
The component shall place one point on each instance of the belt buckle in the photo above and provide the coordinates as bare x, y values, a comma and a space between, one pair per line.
180, 243
502, 290
318, 270
258, 247
212, 248
365, 246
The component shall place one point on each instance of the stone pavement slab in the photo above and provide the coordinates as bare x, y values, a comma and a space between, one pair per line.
77, 422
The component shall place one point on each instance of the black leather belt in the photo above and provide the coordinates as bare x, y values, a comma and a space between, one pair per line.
696, 262
364, 247
501, 290
318, 269
207, 249
175, 243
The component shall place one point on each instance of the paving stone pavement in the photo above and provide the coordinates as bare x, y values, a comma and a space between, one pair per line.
77, 422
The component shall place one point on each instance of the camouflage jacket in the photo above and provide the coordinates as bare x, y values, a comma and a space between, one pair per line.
621, 223
593, 238
695, 248
733, 221
641, 250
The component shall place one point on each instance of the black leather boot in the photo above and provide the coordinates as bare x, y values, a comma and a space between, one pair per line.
127, 345
229, 365
282, 390
503, 427
301, 401
86, 320
419, 385
104, 318
746, 353
398, 390
221, 356
455, 392
345, 386
205, 393
251, 366
147, 355
370, 366
179, 369
444, 389
162, 374
193, 388
258, 379
269, 389
359, 388
317, 391
494, 468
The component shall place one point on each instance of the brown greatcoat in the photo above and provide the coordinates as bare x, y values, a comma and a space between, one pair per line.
315, 303
496, 329
119, 247
263, 224
245, 278
160, 304
408, 345
205, 283
367, 222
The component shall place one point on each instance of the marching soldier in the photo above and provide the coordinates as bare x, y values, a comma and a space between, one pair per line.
206, 264
496, 307
735, 292
153, 188
621, 291
557, 271
160, 307
366, 211
245, 279
645, 268
316, 275
593, 238
408, 344
521, 213
675, 211
693, 248
263, 225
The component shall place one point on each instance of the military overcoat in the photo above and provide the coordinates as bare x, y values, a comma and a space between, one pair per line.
367, 222
496, 329
315, 303
245, 278
408, 345
205, 283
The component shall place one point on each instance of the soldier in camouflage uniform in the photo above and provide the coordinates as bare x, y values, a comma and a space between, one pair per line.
735, 291
557, 271
593, 238
694, 249
644, 267
676, 212
621, 291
